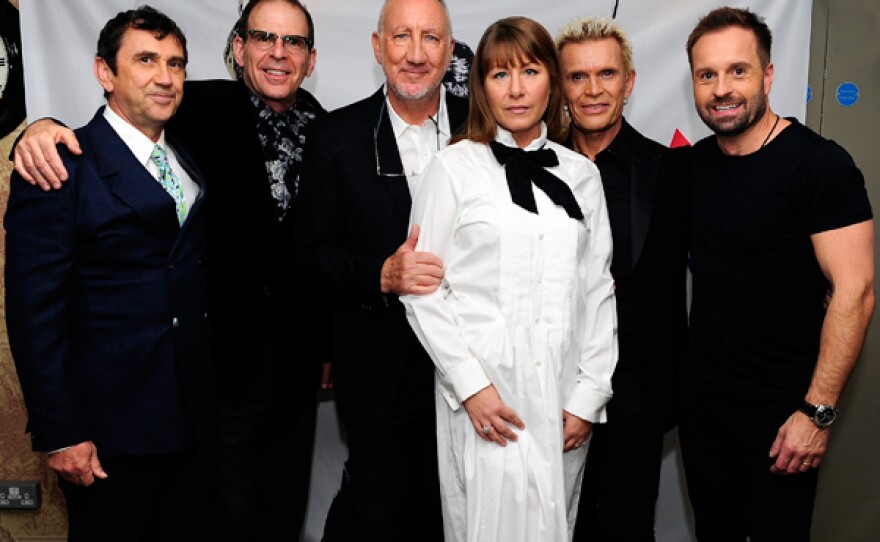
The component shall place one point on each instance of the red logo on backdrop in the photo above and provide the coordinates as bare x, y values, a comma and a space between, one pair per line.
678, 140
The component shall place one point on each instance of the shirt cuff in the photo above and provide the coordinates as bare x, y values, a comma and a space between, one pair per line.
466, 379
587, 404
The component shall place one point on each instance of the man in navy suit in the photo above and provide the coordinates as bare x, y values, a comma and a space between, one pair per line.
249, 135
106, 302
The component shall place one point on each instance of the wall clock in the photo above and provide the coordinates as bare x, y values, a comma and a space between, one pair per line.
12, 110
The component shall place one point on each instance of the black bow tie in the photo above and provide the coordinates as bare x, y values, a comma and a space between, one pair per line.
526, 167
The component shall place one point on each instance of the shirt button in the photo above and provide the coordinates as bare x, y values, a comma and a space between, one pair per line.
540, 237
538, 362
175, 322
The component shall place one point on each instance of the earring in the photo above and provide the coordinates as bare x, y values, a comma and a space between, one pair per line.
625, 101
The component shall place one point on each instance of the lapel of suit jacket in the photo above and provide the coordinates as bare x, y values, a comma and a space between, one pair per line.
387, 153
643, 181
385, 144
130, 181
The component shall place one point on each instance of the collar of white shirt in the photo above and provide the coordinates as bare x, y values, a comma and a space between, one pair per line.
139, 144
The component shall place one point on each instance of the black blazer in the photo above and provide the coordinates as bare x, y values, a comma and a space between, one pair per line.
255, 297
105, 301
349, 220
657, 289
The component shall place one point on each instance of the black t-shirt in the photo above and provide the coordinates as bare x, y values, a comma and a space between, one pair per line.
758, 291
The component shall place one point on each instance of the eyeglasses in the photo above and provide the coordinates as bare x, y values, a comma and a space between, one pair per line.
293, 44
379, 171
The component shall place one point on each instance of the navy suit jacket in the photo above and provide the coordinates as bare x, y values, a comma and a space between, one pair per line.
349, 220
106, 307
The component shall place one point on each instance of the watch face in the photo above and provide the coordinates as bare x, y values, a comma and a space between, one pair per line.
825, 415
4, 65
12, 110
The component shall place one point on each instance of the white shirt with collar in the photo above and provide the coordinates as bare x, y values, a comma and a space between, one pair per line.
418, 144
142, 147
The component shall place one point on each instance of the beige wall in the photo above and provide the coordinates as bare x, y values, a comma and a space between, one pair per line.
49, 523
845, 48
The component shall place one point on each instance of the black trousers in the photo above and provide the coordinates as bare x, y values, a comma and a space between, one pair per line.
263, 458
155, 498
391, 489
621, 479
733, 493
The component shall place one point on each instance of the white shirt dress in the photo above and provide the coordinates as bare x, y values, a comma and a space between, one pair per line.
527, 304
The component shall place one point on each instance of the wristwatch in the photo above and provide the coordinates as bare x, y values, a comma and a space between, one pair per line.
822, 415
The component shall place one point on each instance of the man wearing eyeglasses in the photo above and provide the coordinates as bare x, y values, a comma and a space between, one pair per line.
247, 137
362, 164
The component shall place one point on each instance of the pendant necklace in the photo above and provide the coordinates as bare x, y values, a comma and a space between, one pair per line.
766, 139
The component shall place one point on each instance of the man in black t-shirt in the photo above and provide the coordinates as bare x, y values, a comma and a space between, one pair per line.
779, 217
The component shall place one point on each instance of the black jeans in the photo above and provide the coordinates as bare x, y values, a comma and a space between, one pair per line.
731, 488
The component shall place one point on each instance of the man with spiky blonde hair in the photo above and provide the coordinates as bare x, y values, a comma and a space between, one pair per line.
646, 206
594, 29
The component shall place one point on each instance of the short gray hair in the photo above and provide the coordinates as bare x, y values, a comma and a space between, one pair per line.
380, 25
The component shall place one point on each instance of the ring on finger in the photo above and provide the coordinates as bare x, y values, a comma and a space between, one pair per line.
486, 429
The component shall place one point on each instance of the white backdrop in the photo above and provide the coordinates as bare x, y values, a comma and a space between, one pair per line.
59, 42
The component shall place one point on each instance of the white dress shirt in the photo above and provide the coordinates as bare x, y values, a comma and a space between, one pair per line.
418, 144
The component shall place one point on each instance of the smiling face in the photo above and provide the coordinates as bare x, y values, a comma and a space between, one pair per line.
275, 75
518, 95
596, 84
148, 84
414, 48
730, 85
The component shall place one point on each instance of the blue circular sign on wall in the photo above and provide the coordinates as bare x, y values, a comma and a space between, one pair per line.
847, 94
809, 93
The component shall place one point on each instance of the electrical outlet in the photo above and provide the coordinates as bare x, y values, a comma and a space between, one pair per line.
19, 495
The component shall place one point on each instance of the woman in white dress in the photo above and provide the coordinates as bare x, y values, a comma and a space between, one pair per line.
522, 330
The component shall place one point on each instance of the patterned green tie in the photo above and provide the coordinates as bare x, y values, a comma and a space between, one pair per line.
169, 181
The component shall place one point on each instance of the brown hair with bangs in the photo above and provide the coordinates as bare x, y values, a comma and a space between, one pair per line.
509, 42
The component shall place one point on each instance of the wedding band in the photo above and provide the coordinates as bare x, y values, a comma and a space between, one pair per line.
486, 429
806, 464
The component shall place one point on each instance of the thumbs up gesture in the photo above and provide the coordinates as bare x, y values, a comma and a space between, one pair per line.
408, 271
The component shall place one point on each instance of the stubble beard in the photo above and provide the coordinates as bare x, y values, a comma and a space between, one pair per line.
739, 124
413, 95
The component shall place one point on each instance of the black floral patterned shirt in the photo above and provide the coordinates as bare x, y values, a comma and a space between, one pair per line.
283, 138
